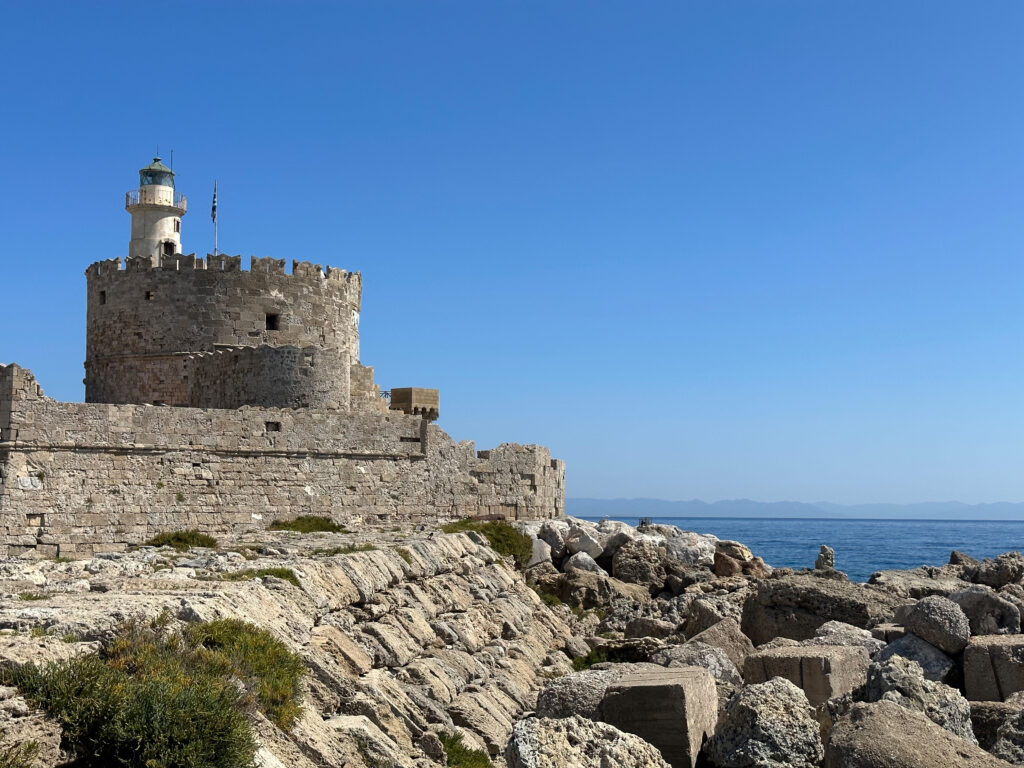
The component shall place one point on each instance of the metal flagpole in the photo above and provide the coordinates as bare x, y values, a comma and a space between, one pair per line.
213, 215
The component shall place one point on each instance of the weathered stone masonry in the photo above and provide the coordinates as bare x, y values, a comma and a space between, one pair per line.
221, 399
77, 478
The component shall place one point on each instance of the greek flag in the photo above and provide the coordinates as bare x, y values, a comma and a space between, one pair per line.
213, 210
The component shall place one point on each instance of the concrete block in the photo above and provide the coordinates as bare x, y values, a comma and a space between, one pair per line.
994, 667
821, 671
727, 635
675, 710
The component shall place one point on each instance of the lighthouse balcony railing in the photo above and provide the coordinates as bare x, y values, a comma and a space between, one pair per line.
152, 197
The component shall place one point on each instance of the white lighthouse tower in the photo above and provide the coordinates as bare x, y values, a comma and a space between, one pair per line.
156, 211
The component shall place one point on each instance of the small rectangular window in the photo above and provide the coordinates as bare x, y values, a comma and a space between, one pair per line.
150, 295
273, 426
103, 297
408, 439
177, 225
273, 322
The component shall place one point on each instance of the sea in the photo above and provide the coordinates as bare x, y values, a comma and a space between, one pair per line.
862, 546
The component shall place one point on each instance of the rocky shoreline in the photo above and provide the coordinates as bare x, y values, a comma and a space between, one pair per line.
603, 645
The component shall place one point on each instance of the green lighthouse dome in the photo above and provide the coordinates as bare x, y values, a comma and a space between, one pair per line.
156, 173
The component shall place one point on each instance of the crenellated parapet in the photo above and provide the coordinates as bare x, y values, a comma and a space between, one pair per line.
142, 317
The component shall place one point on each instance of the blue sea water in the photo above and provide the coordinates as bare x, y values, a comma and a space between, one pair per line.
862, 546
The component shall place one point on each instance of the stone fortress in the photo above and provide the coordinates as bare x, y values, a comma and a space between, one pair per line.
221, 398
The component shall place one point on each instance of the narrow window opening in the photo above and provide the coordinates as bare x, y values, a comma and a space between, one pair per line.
273, 426
103, 297
150, 295
408, 439
273, 322
177, 225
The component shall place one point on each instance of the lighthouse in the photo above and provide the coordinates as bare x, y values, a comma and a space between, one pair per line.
156, 211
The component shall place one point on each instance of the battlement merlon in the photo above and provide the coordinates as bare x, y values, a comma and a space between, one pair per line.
109, 268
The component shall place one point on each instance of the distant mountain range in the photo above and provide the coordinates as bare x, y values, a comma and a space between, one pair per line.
932, 510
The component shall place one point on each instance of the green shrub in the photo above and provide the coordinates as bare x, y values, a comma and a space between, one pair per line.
594, 656
547, 598
307, 524
256, 655
461, 756
405, 554
346, 549
503, 538
19, 755
31, 595
258, 573
182, 540
146, 699
179, 497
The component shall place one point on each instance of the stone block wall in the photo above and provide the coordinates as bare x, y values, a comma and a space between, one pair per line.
76, 478
140, 316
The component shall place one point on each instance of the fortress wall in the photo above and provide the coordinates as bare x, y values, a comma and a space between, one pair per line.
270, 377
193, 305
364, 393
77, 478
139, 379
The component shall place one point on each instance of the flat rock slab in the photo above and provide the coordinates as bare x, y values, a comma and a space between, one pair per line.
885, 735
994, 667
821, 671
675, 710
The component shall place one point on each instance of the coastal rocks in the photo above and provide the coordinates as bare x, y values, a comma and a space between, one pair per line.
822, 672
987, 612
581, 693
577, 742
767, 725
919, 582
826, 559
672, 709
639, 562
994, 667
902, 681
578, 540
886, 735
839, 633
697, 654
726, 566
940, 622
727, 635
644, 626
733, 549
1009, 741
795, 606
586, 590
936, 665
1005, 569
582, 561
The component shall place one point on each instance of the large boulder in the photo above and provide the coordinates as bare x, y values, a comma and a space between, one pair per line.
987, 717
639, 562
919, 582
1007, 568
685, 547
578, 742
795, 606
697, 654
823, 672
582, 589
645, 626
940, 622
673, 709
733, 549
581, 693
987, 612
539, 554
767, 725
1009, 742
936, 665
727, 635
994, 667
839, 633
903, 682
580, 540
582, 561
886, 735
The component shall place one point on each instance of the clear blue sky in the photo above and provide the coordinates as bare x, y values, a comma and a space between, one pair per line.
715, 250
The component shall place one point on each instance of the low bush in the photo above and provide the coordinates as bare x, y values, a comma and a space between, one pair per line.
151, 698
405, 554
182, 540
503, 538
307, 524
346, 549
31, 595
461, 756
